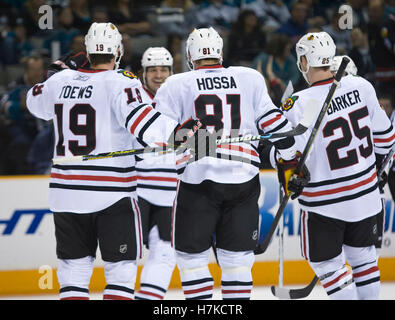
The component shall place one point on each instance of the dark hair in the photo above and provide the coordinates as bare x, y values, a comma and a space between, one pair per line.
238, 26
277, 43
96, 59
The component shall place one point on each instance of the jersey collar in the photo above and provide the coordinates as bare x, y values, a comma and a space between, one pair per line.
91, 70
322, 82
210, 66
148, 92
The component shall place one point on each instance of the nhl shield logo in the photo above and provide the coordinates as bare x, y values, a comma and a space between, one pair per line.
123, 248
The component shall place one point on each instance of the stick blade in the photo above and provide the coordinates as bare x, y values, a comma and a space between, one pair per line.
284, 293
281, 293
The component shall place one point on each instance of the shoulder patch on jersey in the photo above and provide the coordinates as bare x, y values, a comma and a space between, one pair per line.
289, 103
128, 74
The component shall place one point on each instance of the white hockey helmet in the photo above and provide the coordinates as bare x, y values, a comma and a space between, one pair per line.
350, 69
204, 43
156, 56
104, 38
318, 48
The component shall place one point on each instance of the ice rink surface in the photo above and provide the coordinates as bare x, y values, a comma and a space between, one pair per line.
258, 293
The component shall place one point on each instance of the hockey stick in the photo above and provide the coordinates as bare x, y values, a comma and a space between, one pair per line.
284, 293
299, 129
281, 245
261, 248
386, 160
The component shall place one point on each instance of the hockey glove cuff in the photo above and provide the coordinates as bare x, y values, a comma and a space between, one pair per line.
292, 184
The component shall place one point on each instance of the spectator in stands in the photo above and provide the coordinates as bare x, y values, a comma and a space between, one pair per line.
81, 15
64, 33
341, 37
271, 13
31, 16
382, 46
389, 8
296, 26
99, 14
278, 66
217, 14
360, 14
174, 45
15, 43
78, 43
184, 22
130, 60
21, 126
360, 54
316, 14
131, 21
246, 39
39, 157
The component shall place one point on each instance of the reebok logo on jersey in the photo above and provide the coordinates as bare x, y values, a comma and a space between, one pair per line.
288, 103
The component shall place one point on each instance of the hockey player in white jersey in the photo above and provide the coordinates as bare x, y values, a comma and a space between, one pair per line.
156, 189
340, 205
350, 69
218, 194
94, 202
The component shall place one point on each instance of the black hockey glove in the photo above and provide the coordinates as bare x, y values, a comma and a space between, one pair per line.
192, 134
383, 179
69, 61
291, 183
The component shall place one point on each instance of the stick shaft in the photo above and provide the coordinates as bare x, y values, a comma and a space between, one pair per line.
167, 149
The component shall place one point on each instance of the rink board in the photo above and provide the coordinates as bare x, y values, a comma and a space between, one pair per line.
27, 241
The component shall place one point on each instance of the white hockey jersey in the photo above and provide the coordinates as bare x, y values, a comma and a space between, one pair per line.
234, 100
342, 159
95, 111
156, 174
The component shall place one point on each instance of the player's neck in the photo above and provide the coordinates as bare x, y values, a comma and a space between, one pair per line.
103, 66
316, 75
206, 62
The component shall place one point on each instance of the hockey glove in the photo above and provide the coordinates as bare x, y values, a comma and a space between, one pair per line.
383, 179
69, 61
292, 184
193, 135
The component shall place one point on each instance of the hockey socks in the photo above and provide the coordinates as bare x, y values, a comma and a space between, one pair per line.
367, 280
236, 281
196, 279
339, 284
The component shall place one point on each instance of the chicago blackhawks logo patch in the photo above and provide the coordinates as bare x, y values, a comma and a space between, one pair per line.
128, 74
289, 103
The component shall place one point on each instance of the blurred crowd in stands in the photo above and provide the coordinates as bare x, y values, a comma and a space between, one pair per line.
257, 33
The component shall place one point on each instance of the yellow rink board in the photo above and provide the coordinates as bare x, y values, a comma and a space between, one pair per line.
264, 273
